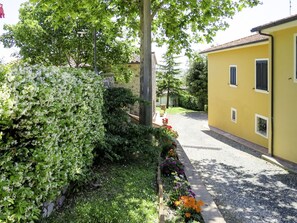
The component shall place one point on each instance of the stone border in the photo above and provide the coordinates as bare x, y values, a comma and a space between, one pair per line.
210, 211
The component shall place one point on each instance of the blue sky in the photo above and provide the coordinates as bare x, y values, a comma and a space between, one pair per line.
240, 25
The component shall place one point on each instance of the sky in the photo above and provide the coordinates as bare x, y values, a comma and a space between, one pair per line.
240, 25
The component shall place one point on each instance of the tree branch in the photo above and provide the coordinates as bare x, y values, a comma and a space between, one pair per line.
157, 8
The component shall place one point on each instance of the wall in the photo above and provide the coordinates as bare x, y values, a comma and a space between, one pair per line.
285, 103
134, 83
222, 97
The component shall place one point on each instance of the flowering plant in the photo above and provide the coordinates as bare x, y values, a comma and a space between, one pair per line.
180, 187
171, 165
168, 146
190, 208
169, 130
165, 121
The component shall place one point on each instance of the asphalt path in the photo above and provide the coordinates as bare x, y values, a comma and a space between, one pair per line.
246, 188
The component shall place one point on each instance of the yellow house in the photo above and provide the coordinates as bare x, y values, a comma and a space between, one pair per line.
253, 88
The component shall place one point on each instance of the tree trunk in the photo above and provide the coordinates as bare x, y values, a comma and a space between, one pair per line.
145, 109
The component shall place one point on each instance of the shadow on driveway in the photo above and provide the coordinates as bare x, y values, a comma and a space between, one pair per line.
245, 197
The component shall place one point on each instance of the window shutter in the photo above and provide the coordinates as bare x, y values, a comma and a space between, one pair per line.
262, 75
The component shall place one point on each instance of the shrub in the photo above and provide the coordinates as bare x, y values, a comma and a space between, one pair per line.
166, 148
171, 165
190, 208
188, 101
180, 187
123, 138
50, 120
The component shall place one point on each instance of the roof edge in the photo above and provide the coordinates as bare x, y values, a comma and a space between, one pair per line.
275, 23
231, 47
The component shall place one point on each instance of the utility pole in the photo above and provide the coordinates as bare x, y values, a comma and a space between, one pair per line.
146, 83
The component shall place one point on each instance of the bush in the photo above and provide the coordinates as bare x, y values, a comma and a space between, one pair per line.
188, 101
50, 120
123, 138
171, 165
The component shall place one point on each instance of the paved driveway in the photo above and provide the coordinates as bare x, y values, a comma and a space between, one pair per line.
245, 187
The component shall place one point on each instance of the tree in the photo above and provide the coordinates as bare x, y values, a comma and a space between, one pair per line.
166, 78
177, 23
196, 79
70, 42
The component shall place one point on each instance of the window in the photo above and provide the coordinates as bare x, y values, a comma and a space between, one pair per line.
233, 75
262, 75
262, 125
233, 115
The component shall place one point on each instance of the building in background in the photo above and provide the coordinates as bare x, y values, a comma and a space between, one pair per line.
252, 87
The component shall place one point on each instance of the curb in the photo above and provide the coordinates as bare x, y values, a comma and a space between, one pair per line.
210, 211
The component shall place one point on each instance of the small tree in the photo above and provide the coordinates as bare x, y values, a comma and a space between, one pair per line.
196, 79
166, 78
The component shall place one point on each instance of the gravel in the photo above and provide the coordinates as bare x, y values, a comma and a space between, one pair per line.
246, 188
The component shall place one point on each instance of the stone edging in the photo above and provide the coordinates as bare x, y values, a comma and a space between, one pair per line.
210, 211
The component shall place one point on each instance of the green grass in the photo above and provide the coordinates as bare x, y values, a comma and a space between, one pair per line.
176, 110
127, 193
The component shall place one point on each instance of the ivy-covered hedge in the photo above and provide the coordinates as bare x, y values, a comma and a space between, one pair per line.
50, 120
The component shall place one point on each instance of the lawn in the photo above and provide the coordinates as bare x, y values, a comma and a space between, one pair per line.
176, 110
127, 193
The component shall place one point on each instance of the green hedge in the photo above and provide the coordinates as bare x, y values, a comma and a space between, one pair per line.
188, 101
50, 120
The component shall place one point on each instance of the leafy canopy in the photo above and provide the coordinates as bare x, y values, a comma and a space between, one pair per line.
177, 23
71, 40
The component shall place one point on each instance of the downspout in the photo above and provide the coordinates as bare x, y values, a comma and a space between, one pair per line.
272, 90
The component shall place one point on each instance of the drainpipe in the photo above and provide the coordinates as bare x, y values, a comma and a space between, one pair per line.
272, 90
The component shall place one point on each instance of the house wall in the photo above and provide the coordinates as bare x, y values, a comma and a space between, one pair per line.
163, 100
285, 96
134, 84
247, 102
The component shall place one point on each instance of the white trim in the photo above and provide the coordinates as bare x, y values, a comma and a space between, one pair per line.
234, 110
295, 57
257, 116
233, 85
268, 70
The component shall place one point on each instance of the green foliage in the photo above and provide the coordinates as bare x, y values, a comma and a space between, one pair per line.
123, 138
71, 42
167, 81
188, 101
50, 121
171, 165
125, 193
177, 23
196, 80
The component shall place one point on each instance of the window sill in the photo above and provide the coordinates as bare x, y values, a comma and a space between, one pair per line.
261, 91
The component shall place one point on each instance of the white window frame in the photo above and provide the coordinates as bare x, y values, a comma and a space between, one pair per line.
235, 111
259, 90
257, 116
233, 85
295, 58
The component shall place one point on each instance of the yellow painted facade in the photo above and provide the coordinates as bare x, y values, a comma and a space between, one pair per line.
243, 98
285, 94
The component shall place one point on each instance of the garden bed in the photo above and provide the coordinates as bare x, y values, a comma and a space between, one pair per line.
119, 193
177, 200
